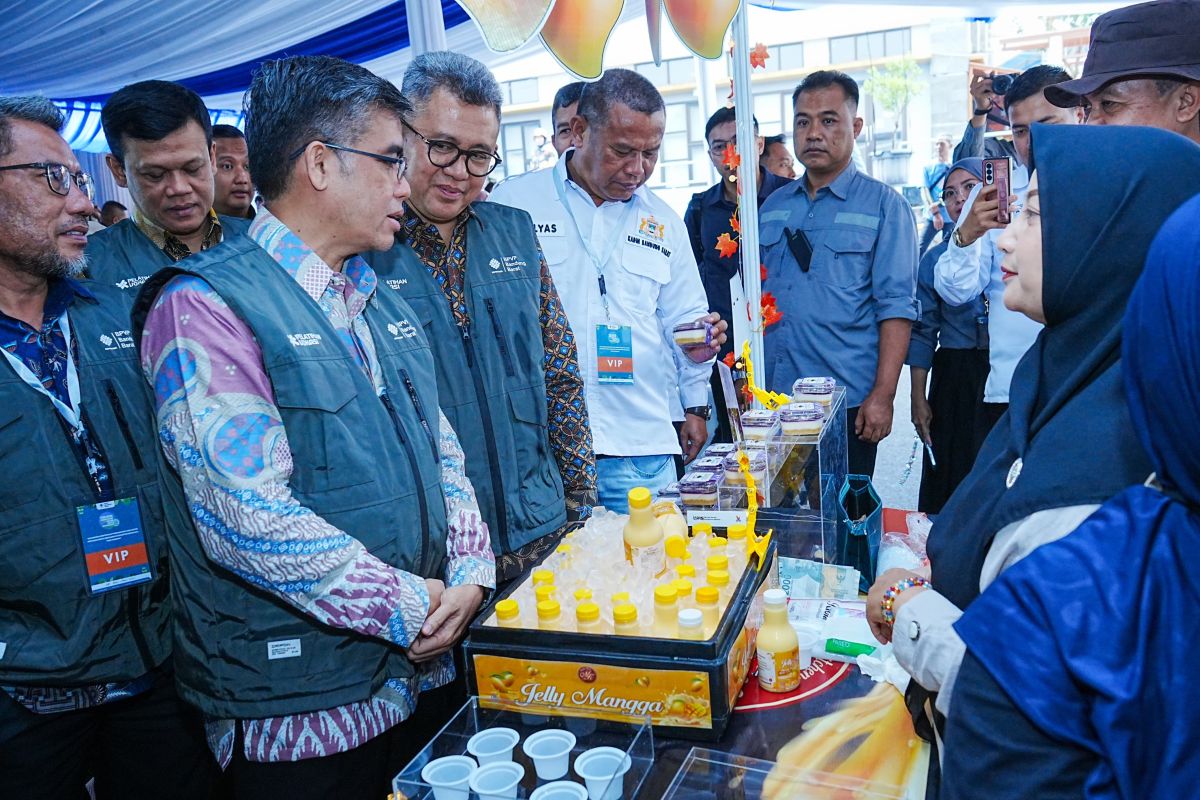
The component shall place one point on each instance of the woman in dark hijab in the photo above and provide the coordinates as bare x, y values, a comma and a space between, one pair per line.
1078, 679
1066, 444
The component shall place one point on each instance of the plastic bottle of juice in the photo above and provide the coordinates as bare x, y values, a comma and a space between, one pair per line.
625, 620
702, 530
686, 571
583, 595
676, 549
587, 618
644, 534
778, 646
691, 625
708, 602
717, 545
619, 599
737, 548
545, 591
683, 592
716, 561
549, 615
719, 580
541, 576
508, 614
666, 612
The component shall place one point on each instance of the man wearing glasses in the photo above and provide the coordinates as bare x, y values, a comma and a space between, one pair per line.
161, 142
508, 373
86, 690
330, 550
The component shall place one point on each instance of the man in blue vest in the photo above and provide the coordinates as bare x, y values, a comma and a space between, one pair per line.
86, 690
508, 372
161, 142
330, 551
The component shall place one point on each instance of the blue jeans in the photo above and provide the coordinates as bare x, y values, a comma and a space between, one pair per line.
616, 476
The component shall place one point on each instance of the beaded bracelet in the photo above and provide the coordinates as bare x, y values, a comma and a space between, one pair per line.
894, 591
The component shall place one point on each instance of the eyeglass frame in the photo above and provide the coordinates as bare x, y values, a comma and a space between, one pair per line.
459, 153
966, 191
400, 162
81, 179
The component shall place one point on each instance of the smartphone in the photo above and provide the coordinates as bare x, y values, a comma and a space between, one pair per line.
997, 172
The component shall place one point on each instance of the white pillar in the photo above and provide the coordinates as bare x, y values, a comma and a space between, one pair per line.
426, 26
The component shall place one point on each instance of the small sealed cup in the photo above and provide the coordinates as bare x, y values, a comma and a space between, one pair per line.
693, 334
493, 745
550, 752
449, 777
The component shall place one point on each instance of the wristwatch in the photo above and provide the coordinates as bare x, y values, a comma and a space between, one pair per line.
980, 113
957, 237
699, 411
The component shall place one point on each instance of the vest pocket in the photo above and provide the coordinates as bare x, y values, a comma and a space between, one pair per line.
20, 455
28, 552
541, 493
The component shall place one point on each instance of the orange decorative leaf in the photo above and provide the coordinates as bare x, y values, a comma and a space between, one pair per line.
770, 311
731, 158
759, 56
762, 272
726, 246
735, 223
729, 359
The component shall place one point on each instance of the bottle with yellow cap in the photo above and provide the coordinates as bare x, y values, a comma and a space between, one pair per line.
666, 612
625, 620
719, 580
545, 591
673, 523
717, 544
583, 594
549, 615
702, 530
686, 571
736, 550
717, 561
541, 576
644, 535
691, 625
683, 592
587, 618
508, 614
677, 550
708, 602
778, 646
619, 599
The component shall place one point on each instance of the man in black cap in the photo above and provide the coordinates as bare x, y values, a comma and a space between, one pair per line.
1142, 68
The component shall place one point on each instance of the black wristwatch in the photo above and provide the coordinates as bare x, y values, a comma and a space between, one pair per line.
700, 411
981, 112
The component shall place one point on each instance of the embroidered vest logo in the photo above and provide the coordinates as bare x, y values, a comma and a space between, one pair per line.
117, 340
513, 263
402, 330
496, 266
396, 283
132, 283
304, 339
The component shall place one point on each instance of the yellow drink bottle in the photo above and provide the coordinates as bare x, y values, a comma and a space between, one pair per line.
719, 579
683, 592
587, 618
625, 620
691, 625
549, 615
778, 646
644, 535
666, 612
508, 614
702, 530
708, 602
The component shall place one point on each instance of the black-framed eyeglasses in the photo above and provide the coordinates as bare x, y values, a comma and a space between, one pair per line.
398, 161
718, 147
59, 177
443, 154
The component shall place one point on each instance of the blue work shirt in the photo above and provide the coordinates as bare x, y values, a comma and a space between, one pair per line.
706, 218
941, 324
863, 271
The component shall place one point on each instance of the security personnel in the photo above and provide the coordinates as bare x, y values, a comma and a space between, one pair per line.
160, 136
86, 691
508, 372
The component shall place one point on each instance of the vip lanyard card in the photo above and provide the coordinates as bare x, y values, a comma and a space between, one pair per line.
114, 545
614, 353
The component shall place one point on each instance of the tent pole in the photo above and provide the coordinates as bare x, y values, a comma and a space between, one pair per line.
426, 26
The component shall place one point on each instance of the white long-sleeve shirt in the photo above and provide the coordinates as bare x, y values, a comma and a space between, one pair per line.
934, 655
652, 284
963, 273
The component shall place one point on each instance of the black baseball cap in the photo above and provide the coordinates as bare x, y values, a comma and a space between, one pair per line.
1160, 39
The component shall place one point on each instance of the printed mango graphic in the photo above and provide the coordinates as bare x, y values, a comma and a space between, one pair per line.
507, 24
577, 31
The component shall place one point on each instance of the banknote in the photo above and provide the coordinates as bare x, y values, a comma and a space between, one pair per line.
803, 578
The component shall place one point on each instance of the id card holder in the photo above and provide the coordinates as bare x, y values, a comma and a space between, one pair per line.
614, 353
114, 545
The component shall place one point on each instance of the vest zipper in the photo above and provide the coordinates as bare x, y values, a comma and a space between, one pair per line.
122, 423
485, 415
416, 401
508, 364
422, 501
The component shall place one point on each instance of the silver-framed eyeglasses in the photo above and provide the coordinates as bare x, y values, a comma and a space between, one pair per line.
962, 194
59, 177
443, 154
398, 161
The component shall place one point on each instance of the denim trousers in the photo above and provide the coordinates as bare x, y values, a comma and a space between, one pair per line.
616, 475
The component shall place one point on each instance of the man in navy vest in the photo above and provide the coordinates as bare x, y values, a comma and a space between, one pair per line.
161, 142
508, 372
86, 690
330, 550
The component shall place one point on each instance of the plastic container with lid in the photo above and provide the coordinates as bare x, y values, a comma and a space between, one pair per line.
587, 618
759, 424
625, 620
802, 419
700, 489
778, 646
670, 493
508, 614
693, 334
549, 615
758, 469
719, 449
666, 611
644, 534
708, 603
619, 598
813, 390
704, 464
690, 622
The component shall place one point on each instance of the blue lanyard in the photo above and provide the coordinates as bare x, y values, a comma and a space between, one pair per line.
609, 247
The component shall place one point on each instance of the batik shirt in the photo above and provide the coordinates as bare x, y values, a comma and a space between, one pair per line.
44, 352
170, 244
221, 430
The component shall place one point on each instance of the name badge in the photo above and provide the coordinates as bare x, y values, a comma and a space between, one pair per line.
614, 353
114, 546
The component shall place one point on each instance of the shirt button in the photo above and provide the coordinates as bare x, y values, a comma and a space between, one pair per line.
810, 216
1014, 472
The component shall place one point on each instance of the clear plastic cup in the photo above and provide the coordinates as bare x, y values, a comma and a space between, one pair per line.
450, 777
603, 771
493, 745
560, 790
550, 752
809, 641
497, 781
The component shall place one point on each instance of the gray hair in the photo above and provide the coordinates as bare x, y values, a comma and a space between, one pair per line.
28, 108
464, 77
302, 99
622, 86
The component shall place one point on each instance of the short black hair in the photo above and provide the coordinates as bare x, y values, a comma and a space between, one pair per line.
27, 108
1032, 81
151, 111
113, 205
825, 78
720, 117
622, 86
566, 96
770, 140
227, 132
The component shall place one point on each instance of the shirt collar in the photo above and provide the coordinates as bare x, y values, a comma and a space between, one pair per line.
840, 187
425, 234
561, 174
302, 263
168, 242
